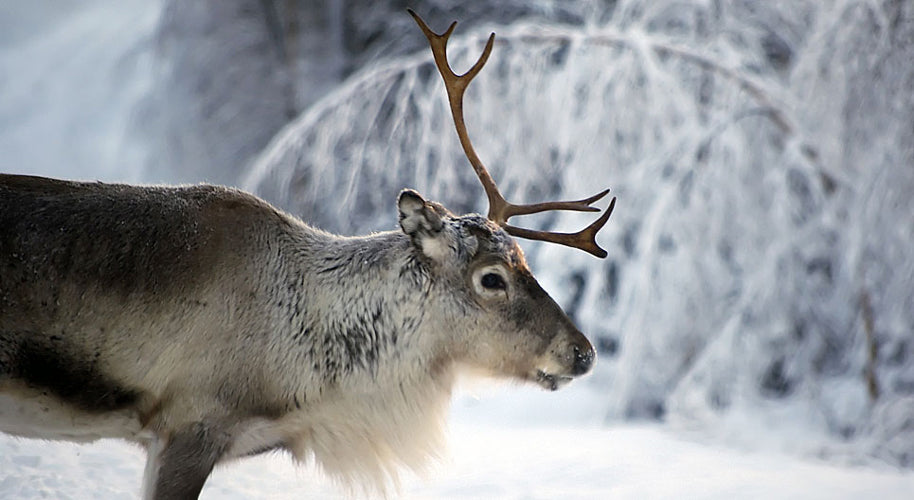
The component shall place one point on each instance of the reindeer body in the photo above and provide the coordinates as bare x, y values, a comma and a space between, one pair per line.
205, 324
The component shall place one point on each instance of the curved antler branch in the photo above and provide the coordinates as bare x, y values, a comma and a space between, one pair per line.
585, 239
500, 210
456, 85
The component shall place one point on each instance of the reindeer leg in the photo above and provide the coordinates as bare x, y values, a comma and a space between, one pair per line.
179, 465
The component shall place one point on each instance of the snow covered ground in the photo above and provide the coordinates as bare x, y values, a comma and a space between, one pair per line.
495, 461
495, 452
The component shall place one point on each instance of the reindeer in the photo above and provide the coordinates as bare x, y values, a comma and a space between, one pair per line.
204, 324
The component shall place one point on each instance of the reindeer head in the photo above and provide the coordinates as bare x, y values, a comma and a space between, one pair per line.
498, 318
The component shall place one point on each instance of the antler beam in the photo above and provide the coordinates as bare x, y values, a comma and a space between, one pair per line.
500, 210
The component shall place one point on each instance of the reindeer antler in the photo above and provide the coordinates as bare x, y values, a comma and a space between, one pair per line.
500, 210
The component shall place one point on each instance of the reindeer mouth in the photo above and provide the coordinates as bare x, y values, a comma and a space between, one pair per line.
550, 381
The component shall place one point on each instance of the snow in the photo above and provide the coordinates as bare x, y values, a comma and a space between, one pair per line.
504, 441
487, 458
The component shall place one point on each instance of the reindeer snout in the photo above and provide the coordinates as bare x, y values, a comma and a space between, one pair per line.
571, 355
583, 358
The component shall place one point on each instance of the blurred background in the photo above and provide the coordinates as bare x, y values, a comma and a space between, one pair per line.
760, 283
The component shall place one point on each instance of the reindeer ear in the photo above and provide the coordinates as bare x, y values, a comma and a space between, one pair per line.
423, 223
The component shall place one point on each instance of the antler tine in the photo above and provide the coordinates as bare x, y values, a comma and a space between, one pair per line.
533, 208
500, 210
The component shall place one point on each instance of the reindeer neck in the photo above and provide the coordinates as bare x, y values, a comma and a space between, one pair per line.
361, 302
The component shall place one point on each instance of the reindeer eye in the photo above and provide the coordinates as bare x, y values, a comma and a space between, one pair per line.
493, 281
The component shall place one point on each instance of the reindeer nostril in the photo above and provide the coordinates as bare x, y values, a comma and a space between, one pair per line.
583, 360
